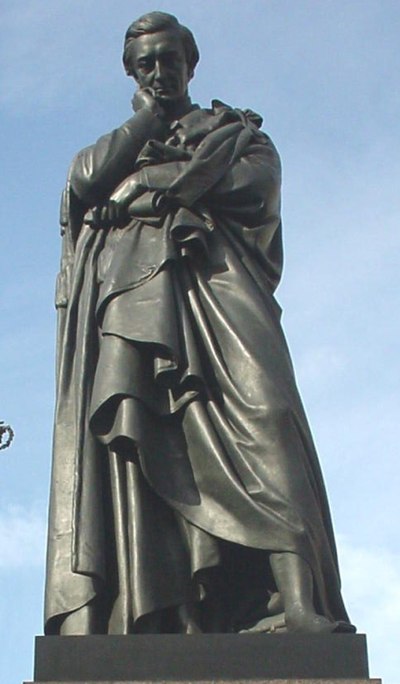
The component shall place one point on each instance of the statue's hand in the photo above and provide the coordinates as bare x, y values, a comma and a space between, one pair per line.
144, 99
122, 197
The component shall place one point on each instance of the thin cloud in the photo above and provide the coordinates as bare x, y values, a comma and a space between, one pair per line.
321, 367
22, 537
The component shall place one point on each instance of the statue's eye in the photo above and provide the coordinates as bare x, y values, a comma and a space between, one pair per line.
172, 59
145, 65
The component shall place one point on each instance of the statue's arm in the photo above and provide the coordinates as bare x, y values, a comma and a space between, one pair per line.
98, 169
146, 185
249, 187
252, 185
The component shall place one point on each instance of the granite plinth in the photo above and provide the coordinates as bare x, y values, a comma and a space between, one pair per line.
205, 657
239, 681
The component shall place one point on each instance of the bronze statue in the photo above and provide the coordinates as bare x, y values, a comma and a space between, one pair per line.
186, 492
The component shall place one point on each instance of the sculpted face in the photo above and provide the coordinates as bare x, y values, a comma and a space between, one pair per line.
159, 63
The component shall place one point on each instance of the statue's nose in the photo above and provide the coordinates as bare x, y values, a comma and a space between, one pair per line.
159, 70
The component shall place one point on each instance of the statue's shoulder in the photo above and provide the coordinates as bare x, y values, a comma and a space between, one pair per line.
222, 110
84, 153
201, 121
250, 119
218, 107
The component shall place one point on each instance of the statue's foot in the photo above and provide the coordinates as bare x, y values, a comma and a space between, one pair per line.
299, 619
275, 604
267, 625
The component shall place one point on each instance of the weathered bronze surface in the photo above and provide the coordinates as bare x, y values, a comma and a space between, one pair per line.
186, 491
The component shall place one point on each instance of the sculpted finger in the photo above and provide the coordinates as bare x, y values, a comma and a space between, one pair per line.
127, 191
113, 211
104, 214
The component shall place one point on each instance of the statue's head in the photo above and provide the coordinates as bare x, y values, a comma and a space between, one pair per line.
160, 54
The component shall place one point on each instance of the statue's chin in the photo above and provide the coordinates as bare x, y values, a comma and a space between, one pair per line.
173, 105
168, 97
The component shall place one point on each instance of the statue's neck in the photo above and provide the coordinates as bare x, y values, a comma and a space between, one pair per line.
177, 108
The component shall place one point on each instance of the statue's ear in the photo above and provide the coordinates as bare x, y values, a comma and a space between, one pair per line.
130, 72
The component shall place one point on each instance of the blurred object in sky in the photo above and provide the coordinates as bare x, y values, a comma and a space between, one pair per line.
5, 430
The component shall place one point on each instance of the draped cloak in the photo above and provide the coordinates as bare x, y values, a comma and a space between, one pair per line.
181, 446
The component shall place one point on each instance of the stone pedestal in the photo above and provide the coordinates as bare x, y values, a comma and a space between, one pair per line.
204, 659
224, 681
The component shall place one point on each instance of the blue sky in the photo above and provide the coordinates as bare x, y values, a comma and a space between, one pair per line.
325, 76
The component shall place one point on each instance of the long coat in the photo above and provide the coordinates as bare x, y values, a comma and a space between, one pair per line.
182, 452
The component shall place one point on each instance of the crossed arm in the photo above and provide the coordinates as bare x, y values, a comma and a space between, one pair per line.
104, 173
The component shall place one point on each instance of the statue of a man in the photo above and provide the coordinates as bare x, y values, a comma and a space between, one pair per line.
186, 492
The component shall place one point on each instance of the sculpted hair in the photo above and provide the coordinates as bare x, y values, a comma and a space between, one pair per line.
152, 23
